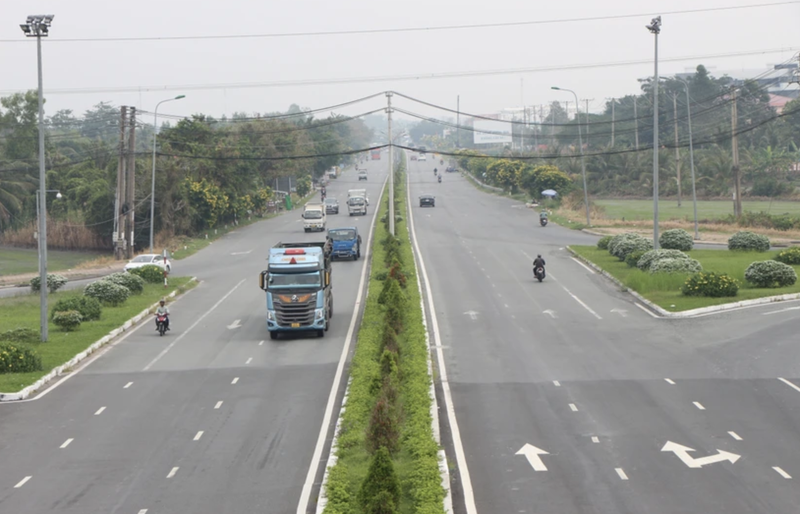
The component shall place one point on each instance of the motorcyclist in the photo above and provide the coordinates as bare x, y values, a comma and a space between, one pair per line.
538, 262
435, 171
440, 178
543, 214
162, 310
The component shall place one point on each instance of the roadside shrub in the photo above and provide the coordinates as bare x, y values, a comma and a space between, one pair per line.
151, 273
107, 292
54, 283
18, 358
381, 477
602, 244
88, 307
20, 335
770, 274
381, 275
789, 256
633, 258
134, 283
628, 243
676, 266
652, 256
710, 284
748, 241
67, 320
676, 239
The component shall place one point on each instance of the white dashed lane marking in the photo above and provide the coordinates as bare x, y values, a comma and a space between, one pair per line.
22, 482
172, 472
735, 436
66, 443
621, 474
99, 411
127, 385
198, 436
699, 405
235, 380
573, 407
670, 381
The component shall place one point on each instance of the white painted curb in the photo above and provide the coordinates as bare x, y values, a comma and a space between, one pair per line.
663, 313
67, 366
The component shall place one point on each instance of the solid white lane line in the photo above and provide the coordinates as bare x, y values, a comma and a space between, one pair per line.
218, 405
573, 407
581, 302
778, 312
197, 321
316, 458
782, 473
172, 472
66, 443
735, 436
645, 309
234, 380
22, 482
99, 411
556, 383
699, 405
669, 381
198, 436
621, 473
595, 439
590, 270
127, 385
793, 386
249, 360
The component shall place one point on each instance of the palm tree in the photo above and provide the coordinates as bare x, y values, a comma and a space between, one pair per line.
12, 191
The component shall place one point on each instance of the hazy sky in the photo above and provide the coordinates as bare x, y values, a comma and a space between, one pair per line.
159, 64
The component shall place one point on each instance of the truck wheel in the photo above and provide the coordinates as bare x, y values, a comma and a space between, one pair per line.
273, 335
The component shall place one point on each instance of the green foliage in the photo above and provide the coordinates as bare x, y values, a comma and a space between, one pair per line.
676, 266
554, 179
108, 293
67, 320
20, 335
151, 273
132, 281
88, 307
18, 358
383, 427
602, 244
710, 284
633, 258
303, 185
676, 239
748, 241
54, 283
381, 477
770, 274
207, 201
789, 256
652, 256
623, 244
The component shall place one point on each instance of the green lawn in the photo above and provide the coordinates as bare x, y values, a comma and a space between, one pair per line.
706, 209
15, 261
23, 311
664, 290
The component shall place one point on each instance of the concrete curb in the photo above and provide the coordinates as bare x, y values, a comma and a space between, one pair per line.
67, 366
663, 313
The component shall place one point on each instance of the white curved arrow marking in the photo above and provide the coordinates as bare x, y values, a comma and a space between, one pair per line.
683, 453
235, 324
533, 453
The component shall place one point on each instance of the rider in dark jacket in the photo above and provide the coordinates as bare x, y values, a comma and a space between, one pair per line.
538, 262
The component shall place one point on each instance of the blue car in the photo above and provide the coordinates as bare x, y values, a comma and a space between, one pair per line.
346, 243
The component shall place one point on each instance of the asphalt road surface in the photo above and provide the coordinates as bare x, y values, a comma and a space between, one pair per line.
213, 418
574, 368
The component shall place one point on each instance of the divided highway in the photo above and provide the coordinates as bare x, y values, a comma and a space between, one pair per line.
215, 417
570, 398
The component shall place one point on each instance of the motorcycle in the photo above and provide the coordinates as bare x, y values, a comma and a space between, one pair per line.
161, 323
441, 163
538, 272
440, 179
543, 221
435, 172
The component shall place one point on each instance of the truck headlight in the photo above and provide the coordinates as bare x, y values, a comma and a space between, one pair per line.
271, 315
319, 313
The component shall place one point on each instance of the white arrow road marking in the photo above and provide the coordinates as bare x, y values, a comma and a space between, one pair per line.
683, 453
551, 313
533, 453
235, 324
472, 314
782, 473
621, 312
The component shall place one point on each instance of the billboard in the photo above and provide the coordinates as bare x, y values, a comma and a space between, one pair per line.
491, 132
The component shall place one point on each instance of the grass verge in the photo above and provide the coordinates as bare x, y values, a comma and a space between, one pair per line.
23, 311
664, 289
706, 209
415, 459
17, 261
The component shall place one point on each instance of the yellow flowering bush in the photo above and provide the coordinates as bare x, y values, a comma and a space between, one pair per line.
18, 358
708, 283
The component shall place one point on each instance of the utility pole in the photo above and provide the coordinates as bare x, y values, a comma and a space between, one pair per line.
636, 122
120, 195
458, 121
677, 149
587, 124
737, 175
612, 121
655, 29
391, 163
535, 131
130, 186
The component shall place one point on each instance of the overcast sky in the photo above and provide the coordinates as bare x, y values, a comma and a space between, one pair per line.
159, 64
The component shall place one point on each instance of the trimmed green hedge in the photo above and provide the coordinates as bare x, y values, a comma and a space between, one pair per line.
676, 239
133, 282
748, 241
89, 307
770, 274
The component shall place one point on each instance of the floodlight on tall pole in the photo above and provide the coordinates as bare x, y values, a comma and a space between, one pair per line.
655, 29
153, 186
38, 26
691, 155
580, 143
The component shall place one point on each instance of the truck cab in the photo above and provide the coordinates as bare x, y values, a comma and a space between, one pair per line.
357, 205
298, 287
314, 217
346, 243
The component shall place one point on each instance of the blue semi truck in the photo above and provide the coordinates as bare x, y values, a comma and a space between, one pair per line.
298, 286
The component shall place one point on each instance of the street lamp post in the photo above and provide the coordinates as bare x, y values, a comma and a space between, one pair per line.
583, 160
655, 28
58, 195
153, 187
691, 156
38, 26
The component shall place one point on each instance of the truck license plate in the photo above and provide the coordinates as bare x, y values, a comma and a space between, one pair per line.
295, 325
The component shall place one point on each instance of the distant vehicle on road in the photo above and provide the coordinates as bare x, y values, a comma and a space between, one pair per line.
427, 201
376, 155
362, 175
331, 206
422, 157
314, 217
413, 157
149, 259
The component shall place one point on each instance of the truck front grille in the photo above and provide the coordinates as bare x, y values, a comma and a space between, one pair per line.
295, 308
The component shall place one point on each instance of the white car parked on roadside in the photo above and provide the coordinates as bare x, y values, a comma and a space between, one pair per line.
148, 259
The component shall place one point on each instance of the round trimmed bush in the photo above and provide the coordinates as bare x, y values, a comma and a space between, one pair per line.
710, 284
748, 241
602, 244
134, 283
20, 335
54, 283
628, 243
770, 274
676, 266
18, 358
151, 273
676, 239
67, 320
652, 256
107, 292
88, 307
789, 256
633, 258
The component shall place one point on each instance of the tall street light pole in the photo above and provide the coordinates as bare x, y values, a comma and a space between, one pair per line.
583, 160
153, 187
691, 156
38, 26
655, 28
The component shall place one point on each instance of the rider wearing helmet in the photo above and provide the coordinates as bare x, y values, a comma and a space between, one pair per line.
162, 310
538, 262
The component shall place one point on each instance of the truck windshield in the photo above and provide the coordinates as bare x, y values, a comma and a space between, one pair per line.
356, 201
293, 280
342, 235
313, 215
